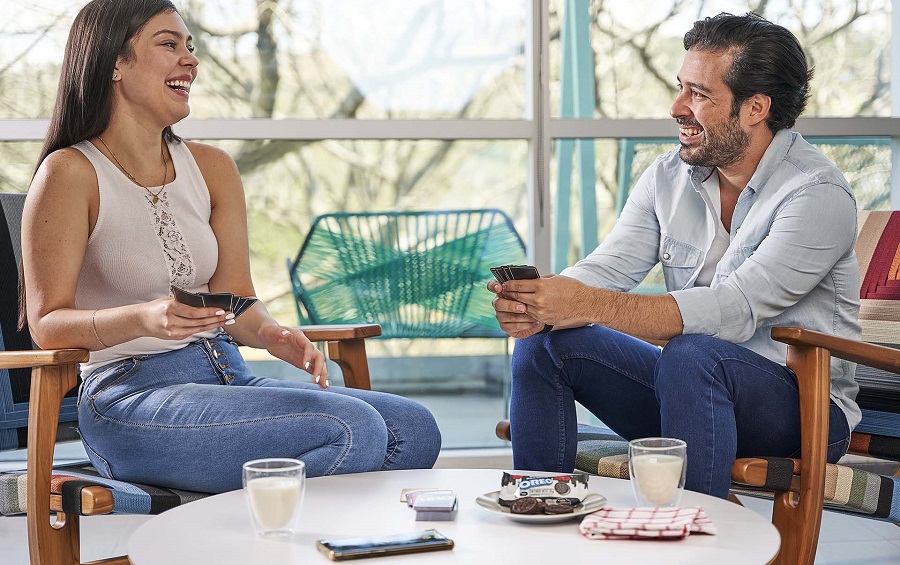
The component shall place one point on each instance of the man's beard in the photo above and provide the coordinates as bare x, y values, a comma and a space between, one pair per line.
721, 146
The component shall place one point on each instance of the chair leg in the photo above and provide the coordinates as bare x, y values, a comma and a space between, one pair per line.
350, 355
798, 518
56, 544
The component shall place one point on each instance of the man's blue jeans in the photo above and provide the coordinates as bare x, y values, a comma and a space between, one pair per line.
190, 418
724, 400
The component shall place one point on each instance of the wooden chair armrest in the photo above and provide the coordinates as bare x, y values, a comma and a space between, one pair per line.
869, 354
38, 358
341, 332
347, 347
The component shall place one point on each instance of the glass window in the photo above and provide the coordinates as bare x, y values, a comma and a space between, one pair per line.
308, 58
636, 59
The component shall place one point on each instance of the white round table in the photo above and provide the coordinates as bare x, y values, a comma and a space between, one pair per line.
217, 530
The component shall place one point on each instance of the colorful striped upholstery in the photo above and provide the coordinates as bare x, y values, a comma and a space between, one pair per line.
878, 251
846, 489
128, 498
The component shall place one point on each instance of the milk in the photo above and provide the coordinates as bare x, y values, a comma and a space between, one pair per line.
274, 501
657, 477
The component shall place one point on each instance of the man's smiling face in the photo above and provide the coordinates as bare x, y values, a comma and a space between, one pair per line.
710, 131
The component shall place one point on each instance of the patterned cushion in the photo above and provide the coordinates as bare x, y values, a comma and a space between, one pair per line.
128, 498
846, 489
601, 452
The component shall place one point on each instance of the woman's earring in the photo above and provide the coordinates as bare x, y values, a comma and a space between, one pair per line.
115, 75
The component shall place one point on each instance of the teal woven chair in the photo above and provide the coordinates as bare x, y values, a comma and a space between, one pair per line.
417, 274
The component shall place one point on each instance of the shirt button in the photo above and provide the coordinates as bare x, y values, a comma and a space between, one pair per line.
666, 256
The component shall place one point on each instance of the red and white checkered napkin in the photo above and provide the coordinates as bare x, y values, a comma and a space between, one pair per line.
646, 523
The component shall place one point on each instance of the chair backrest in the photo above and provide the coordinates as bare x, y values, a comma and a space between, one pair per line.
878, 252
418, 274
15, 384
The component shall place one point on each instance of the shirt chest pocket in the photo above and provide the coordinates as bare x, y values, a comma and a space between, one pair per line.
679, 261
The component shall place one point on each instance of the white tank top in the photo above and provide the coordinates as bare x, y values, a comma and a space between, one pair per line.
138, 250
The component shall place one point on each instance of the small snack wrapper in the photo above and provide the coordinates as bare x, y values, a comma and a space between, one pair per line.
567, 488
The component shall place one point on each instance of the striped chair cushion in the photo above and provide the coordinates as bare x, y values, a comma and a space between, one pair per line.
601, 452
128, 498
846, 489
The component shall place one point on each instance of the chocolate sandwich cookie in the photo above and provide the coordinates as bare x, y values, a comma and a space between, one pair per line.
562, 507
562, 488
527, 506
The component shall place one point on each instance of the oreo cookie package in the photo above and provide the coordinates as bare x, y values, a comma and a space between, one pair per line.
563, 488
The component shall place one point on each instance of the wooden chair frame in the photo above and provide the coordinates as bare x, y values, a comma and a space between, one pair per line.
54, 373
798, 513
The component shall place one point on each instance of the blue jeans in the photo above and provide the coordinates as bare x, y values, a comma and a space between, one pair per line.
724, 400
190, 418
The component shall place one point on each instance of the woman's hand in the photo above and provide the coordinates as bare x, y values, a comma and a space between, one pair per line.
292, 345
166, 318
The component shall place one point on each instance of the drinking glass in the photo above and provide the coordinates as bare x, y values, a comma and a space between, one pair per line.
657, 466
274, 490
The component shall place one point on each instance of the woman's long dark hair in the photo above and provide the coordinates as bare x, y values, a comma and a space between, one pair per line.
100, 34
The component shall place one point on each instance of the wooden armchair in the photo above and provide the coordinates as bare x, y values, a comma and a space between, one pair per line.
802, 487
53, 374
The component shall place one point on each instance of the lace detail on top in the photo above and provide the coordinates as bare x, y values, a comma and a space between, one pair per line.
178, 258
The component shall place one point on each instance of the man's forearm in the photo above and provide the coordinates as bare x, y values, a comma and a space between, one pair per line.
654, 317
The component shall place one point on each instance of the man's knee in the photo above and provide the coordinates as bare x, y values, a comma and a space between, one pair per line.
685, 363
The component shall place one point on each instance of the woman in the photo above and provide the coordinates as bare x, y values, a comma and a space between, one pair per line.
121, 210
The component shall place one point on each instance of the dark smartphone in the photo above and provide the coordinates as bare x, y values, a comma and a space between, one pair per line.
379, 546
505, 273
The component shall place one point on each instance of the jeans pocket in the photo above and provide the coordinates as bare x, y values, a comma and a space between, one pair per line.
98, 383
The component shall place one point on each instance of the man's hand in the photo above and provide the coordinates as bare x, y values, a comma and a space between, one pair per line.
553, 299
511, 315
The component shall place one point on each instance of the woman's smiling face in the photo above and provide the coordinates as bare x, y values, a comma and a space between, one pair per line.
155, 80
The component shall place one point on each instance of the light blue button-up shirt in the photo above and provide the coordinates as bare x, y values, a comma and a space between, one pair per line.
791, 260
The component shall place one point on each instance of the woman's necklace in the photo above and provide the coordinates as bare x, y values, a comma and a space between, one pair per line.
154, 195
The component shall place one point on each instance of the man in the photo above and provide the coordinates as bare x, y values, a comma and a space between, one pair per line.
754, 229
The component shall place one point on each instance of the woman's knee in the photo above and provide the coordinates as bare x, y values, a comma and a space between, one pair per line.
414, 438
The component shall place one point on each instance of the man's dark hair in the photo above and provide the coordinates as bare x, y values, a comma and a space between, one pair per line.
767, 59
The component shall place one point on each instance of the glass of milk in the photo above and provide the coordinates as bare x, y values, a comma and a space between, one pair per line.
274, 490
657, 466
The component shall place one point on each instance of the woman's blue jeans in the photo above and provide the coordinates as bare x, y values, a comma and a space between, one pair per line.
190, 418
724, 400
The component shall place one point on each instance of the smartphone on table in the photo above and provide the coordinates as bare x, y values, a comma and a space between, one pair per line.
379, 546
